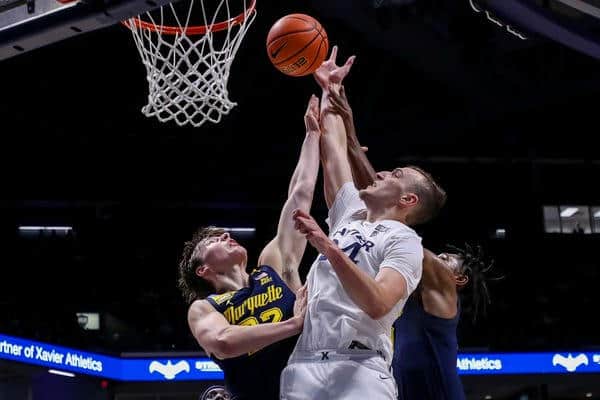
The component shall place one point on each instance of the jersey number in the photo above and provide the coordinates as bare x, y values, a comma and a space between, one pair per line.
352, 249
271, 315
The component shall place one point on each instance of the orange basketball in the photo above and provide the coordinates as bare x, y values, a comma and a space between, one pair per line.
297, 44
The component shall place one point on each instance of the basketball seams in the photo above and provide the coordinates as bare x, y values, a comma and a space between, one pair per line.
299, 51
270, 42
322, 33
316, 57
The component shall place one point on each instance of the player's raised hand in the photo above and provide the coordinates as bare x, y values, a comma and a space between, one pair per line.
311, 117
339, 73
330, 72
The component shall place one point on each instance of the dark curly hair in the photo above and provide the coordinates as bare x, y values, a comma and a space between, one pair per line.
477, 267
191, 286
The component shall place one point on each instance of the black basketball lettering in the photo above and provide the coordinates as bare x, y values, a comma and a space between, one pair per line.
295, 65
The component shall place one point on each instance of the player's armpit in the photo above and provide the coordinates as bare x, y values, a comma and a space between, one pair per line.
271, 256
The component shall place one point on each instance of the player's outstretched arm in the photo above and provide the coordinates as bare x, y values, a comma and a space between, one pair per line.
375, 296
336, 168
285, 251
363, 172
223, 340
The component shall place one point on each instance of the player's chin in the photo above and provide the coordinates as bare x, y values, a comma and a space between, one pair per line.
239, 253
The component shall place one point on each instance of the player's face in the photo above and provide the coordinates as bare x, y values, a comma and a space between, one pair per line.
390, 186
453, 262
222, 252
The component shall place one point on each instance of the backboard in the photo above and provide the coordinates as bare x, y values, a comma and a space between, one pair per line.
29, 24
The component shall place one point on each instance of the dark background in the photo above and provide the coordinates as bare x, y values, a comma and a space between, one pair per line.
506, 126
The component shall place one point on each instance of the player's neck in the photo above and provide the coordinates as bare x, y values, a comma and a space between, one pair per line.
441, 281
236, 279
378, 214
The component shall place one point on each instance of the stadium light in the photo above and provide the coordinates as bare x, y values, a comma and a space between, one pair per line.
569, 212
28, 228
62, 373
240, 230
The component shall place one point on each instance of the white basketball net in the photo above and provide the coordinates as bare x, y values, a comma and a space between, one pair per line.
188, 73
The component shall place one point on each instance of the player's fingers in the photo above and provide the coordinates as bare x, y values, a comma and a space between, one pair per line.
335, 101
333, 55
298, 226
310, 104
314, 108
334, 95
304, 290
301, 213
333, 87
313, 122
349, 62
314, 105
332, 109
301, 294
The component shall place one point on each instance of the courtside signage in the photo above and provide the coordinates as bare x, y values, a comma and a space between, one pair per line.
182, 369
528, 363
124, 369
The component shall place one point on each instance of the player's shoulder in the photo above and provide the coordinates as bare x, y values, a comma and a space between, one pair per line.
390, 229
220, 298
263, 271
199, 308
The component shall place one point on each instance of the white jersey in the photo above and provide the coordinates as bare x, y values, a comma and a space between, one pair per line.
333, 321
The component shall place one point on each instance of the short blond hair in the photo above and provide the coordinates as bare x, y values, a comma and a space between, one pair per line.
432, 198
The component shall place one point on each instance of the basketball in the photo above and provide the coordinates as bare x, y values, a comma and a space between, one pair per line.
297, 44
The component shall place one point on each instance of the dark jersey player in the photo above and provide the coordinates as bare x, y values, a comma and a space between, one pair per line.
267, 299
250, 324
425, 342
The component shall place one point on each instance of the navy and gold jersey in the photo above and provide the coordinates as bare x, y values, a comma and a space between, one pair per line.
267, 299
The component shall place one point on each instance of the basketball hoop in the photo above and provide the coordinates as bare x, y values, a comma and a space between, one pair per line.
187, 66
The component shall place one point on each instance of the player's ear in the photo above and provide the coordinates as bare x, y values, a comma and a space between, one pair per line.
461, 280
408, 200
201, 270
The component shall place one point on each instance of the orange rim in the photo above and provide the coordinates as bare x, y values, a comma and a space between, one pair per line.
193, 30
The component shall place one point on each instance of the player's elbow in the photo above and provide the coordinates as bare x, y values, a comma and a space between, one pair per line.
223, 347
378, 311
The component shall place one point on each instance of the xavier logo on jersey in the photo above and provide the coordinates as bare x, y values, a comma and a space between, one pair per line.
379, 229
353, 248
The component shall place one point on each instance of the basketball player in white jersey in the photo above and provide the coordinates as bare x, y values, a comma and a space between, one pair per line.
368, 266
